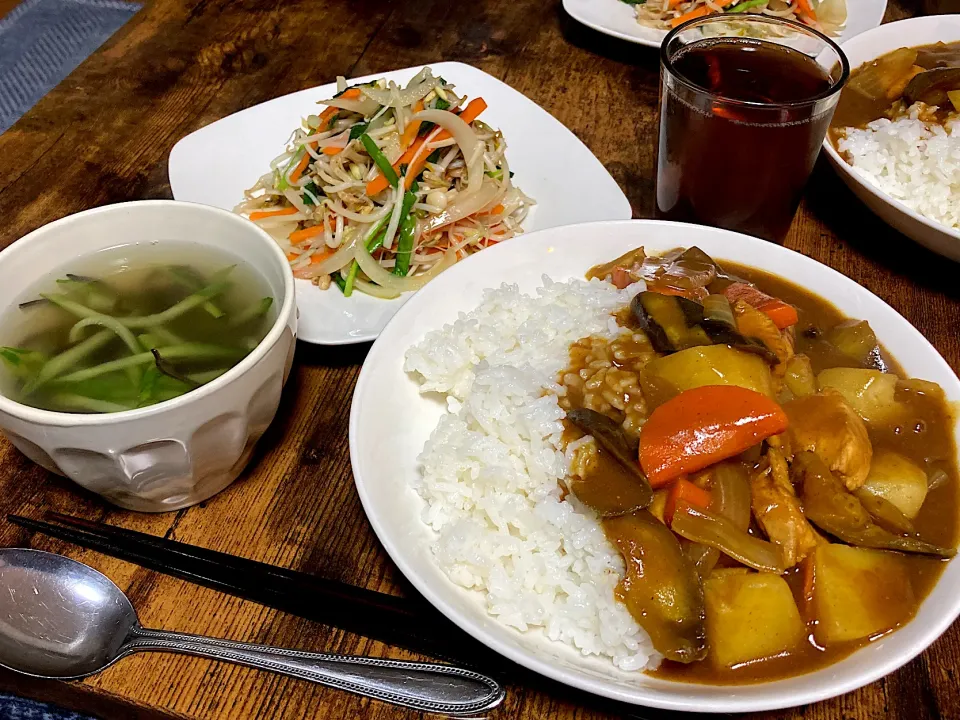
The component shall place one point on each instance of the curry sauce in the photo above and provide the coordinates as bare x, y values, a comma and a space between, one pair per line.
896, 80
612, 378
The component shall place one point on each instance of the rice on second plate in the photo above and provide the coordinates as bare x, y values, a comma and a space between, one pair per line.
490, 471
915, 162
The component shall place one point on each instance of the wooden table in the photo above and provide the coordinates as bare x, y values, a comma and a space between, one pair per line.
103, 136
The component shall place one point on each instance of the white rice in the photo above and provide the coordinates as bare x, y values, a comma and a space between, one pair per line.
490, 469
915, 162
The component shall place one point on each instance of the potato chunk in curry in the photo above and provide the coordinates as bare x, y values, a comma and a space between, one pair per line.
713, 365
897, 480
869, 392
750, 616
858, 593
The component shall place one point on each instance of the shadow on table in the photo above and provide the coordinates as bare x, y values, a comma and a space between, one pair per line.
329, 356
835, 204
334, 356
598, 43
618, 709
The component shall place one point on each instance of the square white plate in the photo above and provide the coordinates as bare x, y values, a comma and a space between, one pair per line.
215, 164
616, 18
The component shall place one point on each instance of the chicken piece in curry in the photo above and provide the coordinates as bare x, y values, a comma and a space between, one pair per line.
780, 492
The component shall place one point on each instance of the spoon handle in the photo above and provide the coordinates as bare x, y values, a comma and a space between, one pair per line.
428, 687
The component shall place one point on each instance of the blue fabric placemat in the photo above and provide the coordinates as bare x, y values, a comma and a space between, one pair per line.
14, 708
43, 41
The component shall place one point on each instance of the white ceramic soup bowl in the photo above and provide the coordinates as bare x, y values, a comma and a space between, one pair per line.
865, 48
182, 451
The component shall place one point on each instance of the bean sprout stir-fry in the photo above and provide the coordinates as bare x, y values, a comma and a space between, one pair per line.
828, 16
387, 187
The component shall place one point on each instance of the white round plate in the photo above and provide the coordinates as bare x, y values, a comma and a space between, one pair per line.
390, 422
866, 48
616, 18
215, 164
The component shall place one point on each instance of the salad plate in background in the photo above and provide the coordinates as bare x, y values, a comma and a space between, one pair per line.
621, 19
218, 163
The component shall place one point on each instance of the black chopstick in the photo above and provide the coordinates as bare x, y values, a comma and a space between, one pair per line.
194, 563
194, 557
397, 621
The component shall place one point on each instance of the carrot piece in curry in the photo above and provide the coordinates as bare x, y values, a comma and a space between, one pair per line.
685, 490
702, 426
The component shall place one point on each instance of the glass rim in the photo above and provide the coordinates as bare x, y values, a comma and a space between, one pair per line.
836, 85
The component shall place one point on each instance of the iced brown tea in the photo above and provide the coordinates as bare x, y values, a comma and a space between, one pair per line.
742, 122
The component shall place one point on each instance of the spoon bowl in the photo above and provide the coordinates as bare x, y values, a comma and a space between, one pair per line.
59, 618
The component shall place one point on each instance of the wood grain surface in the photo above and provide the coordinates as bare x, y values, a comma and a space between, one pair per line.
104, 136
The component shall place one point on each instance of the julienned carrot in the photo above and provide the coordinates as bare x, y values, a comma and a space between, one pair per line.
325, 117
412, 129
702, 426
318, 258
470, 113
699, 12
301, 166
332, 150
417, 159
298, 236
692, 15
291, 256
684, 490
261, 214
350, 94
807, 9
381, 182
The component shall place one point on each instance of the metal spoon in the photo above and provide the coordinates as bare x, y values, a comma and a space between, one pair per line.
62, 619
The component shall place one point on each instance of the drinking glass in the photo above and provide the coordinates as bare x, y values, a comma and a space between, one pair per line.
735, 163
